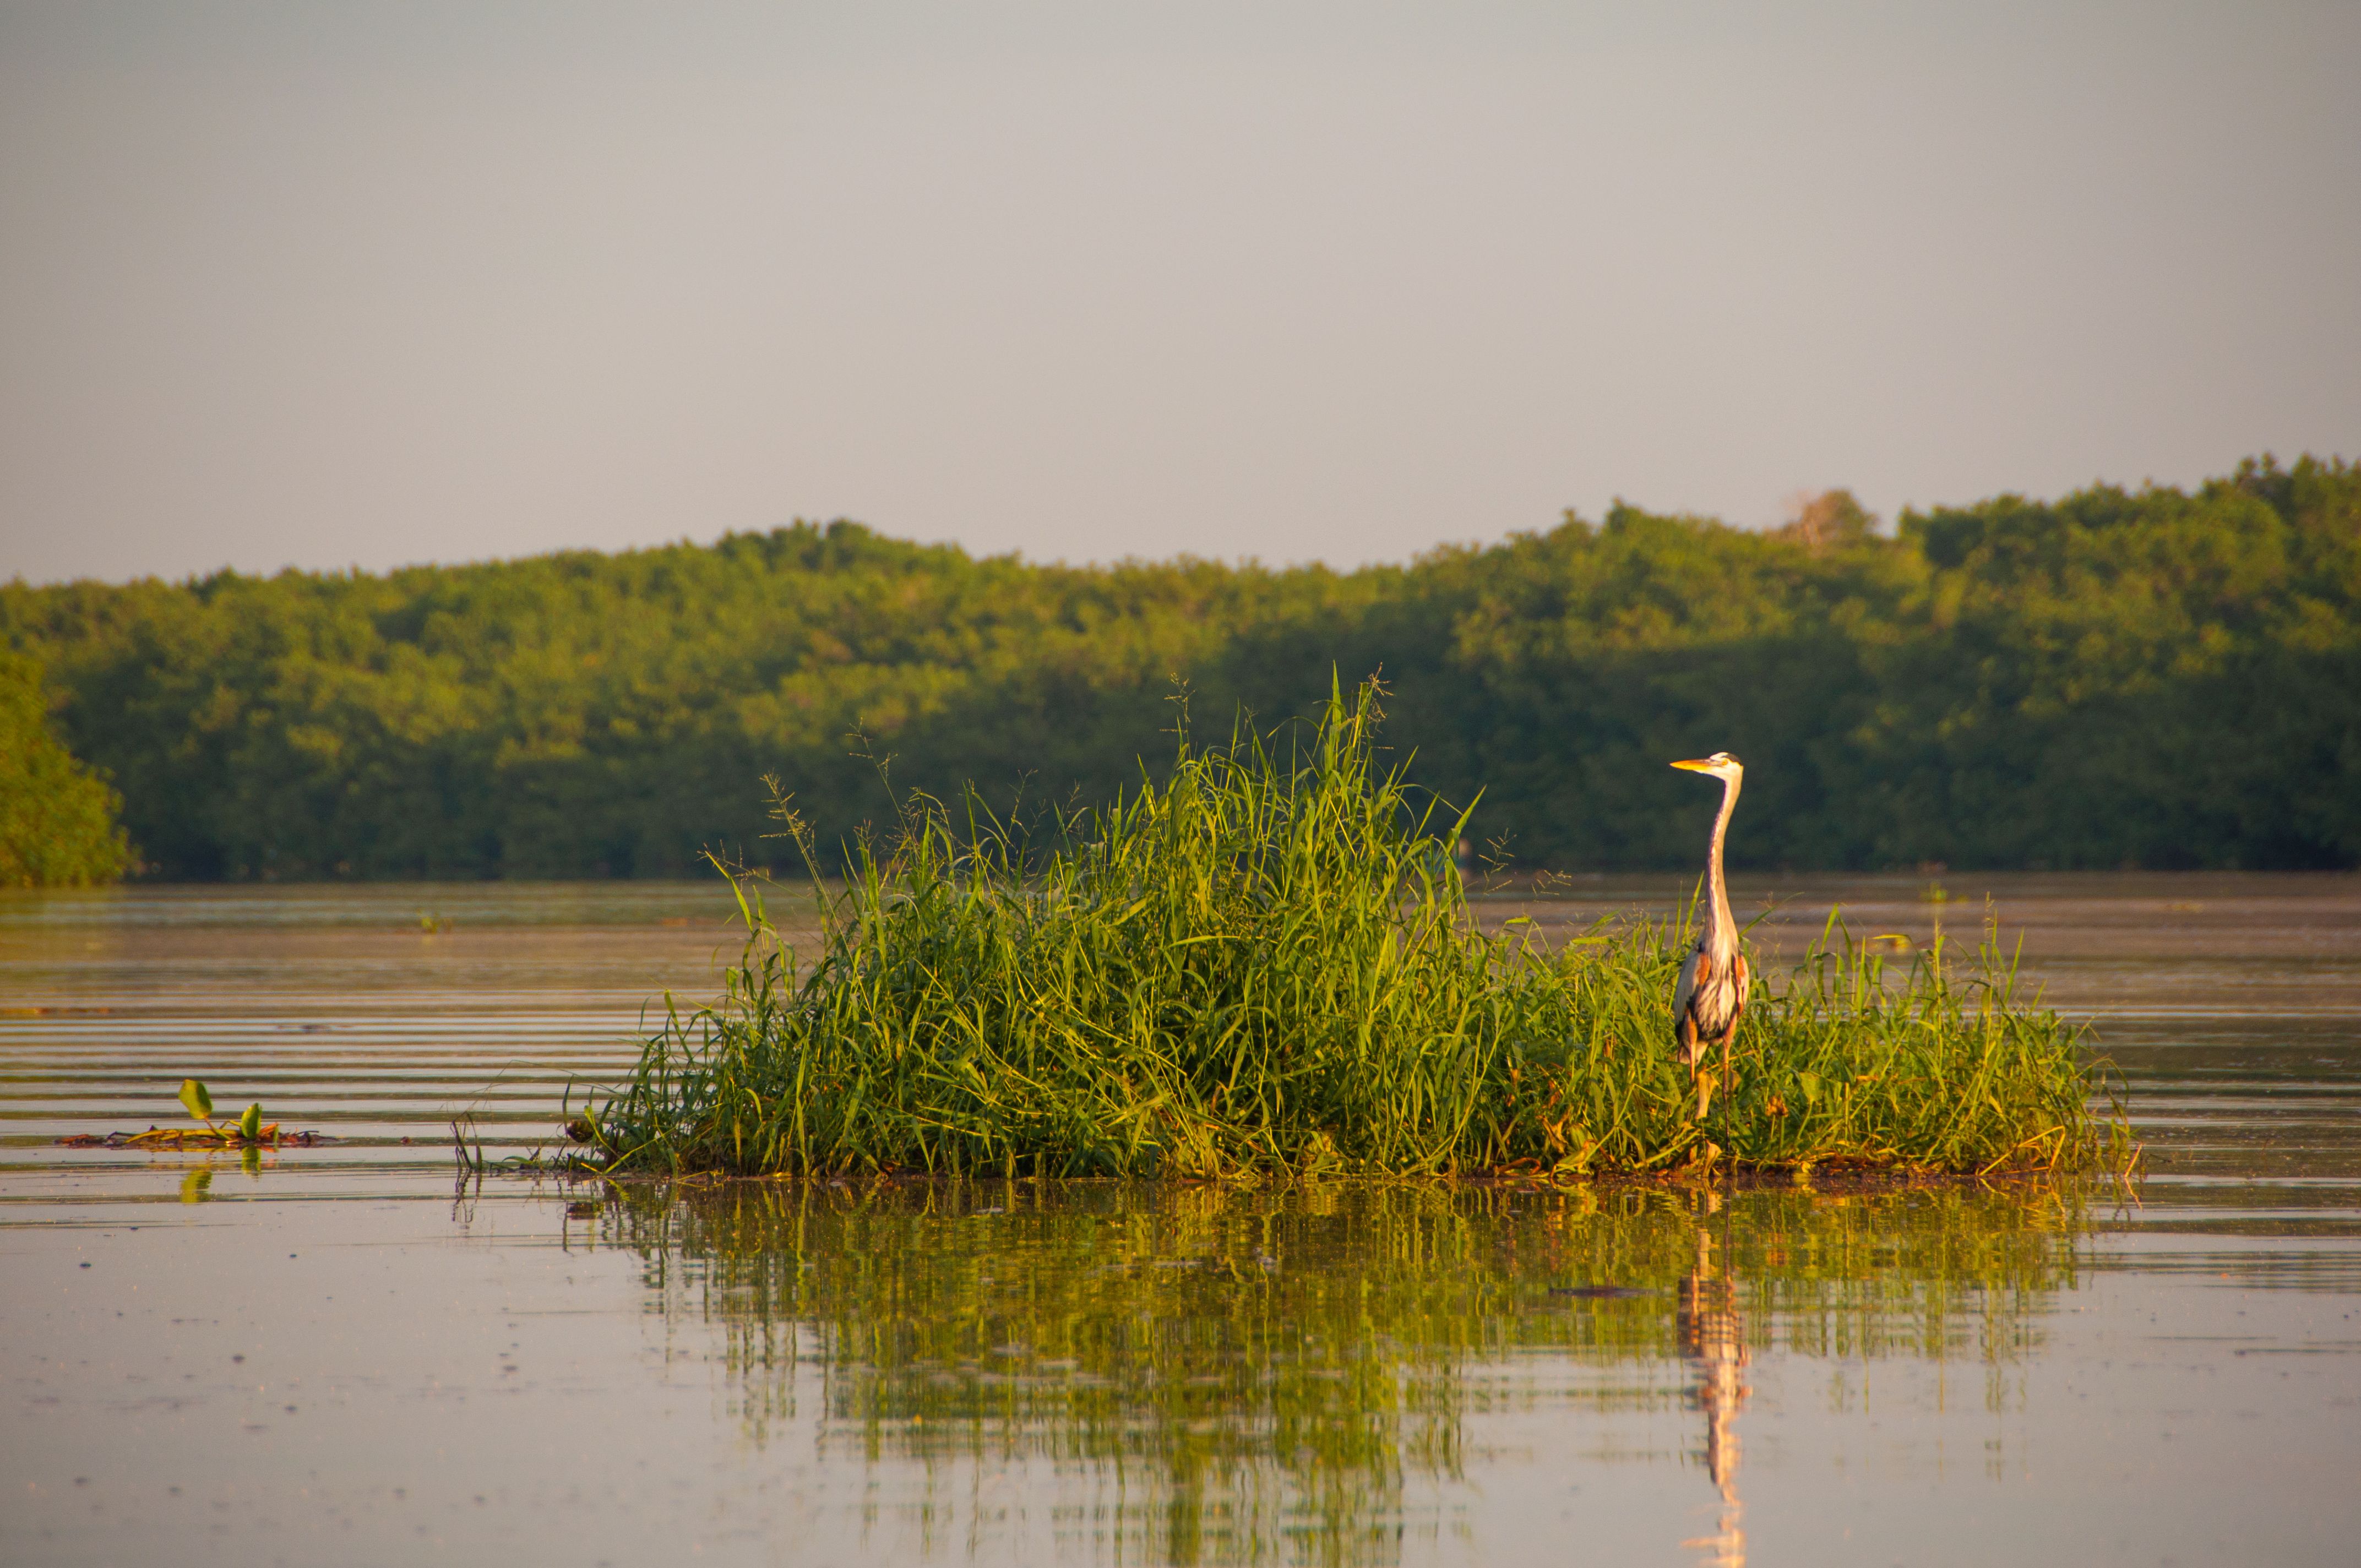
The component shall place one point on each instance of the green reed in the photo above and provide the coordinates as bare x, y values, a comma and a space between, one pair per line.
1269, 963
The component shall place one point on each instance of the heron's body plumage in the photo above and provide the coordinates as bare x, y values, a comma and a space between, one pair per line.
1709, 998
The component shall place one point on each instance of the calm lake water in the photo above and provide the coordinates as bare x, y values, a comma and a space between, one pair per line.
345, 1354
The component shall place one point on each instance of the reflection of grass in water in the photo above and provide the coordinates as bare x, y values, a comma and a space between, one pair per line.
1270, 963
1259, 1371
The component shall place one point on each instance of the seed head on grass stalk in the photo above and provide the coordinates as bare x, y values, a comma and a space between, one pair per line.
1267, 964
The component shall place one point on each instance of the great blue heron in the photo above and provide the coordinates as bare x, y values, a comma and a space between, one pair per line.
1712, 991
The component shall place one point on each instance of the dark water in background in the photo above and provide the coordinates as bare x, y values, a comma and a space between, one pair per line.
332, 1355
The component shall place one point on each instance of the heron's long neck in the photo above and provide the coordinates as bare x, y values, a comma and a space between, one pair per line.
1721, 931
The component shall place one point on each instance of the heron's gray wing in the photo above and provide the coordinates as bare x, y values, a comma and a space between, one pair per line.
1697, 971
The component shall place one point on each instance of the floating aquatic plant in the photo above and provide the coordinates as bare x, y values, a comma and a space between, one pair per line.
249, 1131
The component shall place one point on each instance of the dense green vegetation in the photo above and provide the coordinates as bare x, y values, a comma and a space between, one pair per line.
1268, 962
2152, 678
57, 820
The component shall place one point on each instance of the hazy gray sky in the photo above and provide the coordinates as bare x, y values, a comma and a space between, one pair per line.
331, 284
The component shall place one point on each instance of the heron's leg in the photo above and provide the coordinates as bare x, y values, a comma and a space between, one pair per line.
1726, 1034
1703, 1074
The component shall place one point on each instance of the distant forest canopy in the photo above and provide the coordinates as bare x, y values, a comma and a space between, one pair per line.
58, 824
2117, 678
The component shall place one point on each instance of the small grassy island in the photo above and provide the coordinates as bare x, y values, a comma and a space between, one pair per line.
1268, 964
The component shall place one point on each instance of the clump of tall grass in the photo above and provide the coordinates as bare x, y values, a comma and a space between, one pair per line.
1268, 962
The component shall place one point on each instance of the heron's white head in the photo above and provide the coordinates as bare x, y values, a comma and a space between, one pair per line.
1722, 765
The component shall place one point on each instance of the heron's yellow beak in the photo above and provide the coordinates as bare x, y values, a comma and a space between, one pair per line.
1695, 764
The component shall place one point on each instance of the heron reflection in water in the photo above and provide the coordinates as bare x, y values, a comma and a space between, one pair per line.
1714, 1341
